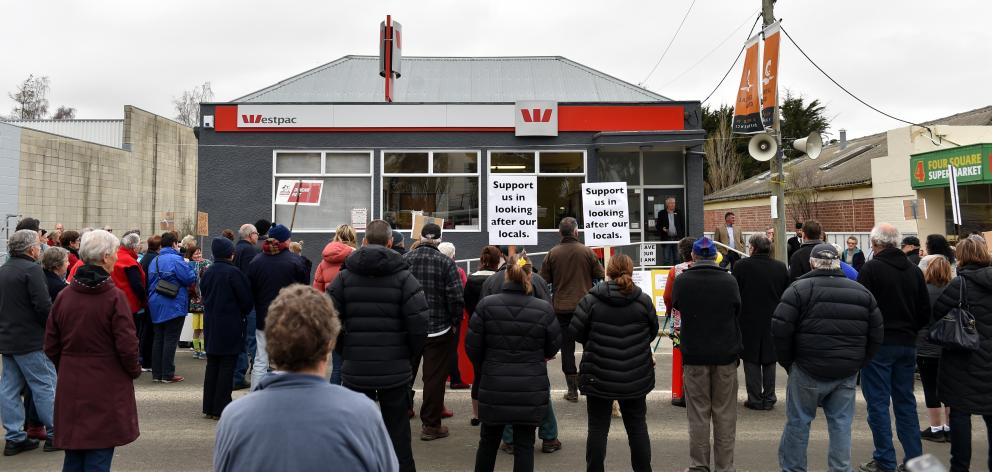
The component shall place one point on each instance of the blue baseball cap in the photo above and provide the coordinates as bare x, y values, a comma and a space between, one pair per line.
704, 247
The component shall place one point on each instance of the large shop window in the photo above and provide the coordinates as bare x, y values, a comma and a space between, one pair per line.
560, 175
444, 184
347, 180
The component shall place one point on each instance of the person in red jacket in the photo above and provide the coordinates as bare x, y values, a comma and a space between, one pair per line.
344, 243
128, 275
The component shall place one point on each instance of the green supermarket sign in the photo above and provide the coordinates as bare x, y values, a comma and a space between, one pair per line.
973, 162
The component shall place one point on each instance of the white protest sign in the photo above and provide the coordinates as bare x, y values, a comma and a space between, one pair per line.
649, 254
607, 221
512, 205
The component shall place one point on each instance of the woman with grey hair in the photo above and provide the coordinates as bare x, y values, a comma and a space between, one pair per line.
55, 262
92, 342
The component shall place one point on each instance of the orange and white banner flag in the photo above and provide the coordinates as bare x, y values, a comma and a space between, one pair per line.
747, 110
769, 74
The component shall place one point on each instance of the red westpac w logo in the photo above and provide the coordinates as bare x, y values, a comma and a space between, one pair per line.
251, 118
536, 114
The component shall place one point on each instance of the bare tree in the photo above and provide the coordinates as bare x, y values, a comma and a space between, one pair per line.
801, 191
31, 100
188, 105
64, 113
722, 161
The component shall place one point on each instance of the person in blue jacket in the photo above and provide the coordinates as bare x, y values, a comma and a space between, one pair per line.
227, 301
168, 313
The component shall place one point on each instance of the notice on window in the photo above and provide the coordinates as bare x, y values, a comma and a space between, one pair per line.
359, 218
649, 254
306, 192
512, 210
607, 221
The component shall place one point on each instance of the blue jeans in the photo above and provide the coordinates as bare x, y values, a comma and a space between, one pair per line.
337, 361
88, 460
548, 430
669, 254
241, 368
802, 397
889, 375
35, 370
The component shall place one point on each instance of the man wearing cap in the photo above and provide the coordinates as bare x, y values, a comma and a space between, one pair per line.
795, 241
709, 301
274, 268
902, 296
398, 244
911, 247
571, 268
438, 275
826, 328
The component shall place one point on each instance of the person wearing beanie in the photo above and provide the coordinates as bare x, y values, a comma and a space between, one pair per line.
826, 327
227, 300
438, 275
709, 302
398, 242
276, 267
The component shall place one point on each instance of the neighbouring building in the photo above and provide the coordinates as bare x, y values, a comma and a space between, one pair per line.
123, 173
453, 122
856, 183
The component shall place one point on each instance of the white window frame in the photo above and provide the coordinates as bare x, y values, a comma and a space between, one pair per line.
537, 168
322, 175
430, 173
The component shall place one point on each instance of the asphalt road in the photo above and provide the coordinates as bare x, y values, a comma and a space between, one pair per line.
175, 437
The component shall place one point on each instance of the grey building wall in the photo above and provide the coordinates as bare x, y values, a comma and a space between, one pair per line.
235, 174
10, 157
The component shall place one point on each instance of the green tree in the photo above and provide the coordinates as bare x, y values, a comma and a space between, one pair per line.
800, 118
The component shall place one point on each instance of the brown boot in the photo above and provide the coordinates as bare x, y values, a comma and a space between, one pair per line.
430, 433
572, 380
550, 445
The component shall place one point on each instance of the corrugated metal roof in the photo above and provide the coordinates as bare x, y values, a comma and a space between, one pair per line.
855, 171
105, 132
455, 79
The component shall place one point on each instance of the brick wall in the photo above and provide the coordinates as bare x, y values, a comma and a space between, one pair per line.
841, 215
79, 184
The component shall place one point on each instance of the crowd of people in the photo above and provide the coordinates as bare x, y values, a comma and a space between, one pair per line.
83, 314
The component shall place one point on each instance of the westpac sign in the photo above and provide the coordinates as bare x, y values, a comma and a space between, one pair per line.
536, 118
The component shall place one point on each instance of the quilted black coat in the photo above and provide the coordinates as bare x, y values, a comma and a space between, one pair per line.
965, 379
383, 316
510, 337
828, 325
616, 331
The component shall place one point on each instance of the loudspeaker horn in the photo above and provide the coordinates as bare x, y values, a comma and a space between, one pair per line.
810, 145
762, 147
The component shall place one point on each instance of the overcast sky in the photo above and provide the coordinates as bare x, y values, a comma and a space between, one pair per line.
914, 59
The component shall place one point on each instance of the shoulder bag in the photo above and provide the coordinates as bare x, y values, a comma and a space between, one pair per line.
956, 330
164, 287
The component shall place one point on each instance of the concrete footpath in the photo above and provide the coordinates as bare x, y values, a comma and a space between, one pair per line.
175, 436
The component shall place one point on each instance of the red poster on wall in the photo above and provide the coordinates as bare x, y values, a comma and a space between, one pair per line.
305, 192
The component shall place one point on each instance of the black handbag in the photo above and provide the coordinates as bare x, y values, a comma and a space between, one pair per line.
956, 330
164, 287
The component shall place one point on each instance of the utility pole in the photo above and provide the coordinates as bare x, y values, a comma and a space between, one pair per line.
777, 181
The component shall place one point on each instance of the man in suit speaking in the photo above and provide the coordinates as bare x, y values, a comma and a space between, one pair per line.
731, 236
671, 227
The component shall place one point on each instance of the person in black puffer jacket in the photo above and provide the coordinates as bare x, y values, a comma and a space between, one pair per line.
615, 323
826, 328
510, 338
384, 324
965, 378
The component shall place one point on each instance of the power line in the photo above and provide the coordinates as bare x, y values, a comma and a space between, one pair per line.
663, 54
825, 74
708, 54
735, 61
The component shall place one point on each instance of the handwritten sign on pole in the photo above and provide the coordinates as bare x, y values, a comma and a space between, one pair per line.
607, 220
512, 209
